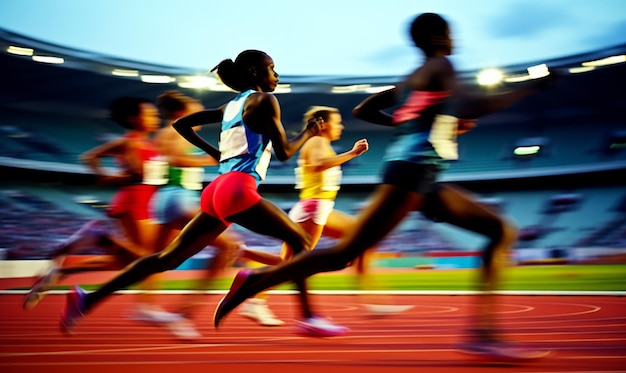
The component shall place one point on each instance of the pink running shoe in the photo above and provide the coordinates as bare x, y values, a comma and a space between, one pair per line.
73, 310
320, 327
233, 298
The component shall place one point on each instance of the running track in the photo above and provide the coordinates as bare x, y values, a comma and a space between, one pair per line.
585, 333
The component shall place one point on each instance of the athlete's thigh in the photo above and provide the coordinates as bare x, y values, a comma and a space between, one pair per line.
195, 236
454, 205
133, 238
388, 207
268, 219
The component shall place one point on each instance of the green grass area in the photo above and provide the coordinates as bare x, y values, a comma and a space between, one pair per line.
609, 277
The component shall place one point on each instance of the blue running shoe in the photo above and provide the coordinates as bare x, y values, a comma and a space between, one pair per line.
74, 309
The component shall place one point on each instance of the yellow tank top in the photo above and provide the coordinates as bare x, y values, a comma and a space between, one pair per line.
317, 185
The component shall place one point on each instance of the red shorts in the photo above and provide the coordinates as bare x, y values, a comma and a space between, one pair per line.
133, 200
229, 194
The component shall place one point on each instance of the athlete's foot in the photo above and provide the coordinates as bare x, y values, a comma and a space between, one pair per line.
183, 329
258, 310
74, 309
500, 351
41, 286
385, 309
153, 314
320, 327
235, 296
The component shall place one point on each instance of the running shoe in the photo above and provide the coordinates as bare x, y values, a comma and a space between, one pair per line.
40, 287
233, 298
153, 314
183, 329
320, 327
257, 310
385, 309
501, 351
74, 309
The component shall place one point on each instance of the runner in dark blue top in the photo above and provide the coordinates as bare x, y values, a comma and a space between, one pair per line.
432, 108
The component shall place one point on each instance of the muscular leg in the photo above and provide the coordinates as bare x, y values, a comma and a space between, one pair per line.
193, 238
458, 207
389, 207
268, 219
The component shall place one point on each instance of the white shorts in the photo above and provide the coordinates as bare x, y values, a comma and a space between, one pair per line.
316, 209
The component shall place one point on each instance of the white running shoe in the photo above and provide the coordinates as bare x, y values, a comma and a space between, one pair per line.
257, 310
320, 327
183, 329
153, 314
385, 309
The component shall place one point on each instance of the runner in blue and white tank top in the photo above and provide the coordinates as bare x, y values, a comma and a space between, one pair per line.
242, 149
232, 197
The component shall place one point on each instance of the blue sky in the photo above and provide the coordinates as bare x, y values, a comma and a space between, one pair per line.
322, 37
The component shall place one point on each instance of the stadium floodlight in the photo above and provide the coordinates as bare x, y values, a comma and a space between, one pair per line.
20, 51
125, 72
378, 89
526, 150
157, 79
350, 88
282, 88
489, 77
529, 147
48, 59
538, 71
606, 61
581, 69
198, 82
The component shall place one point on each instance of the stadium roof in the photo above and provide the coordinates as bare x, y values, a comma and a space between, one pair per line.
45, 77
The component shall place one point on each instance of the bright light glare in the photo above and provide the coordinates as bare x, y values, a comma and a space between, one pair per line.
157, 79
517, 78
123, 72
48, 59
350, 88
489, 77
20, 51
582, 69
378, 89
606, 61
198, 82
539, 71
526, 150
283, 88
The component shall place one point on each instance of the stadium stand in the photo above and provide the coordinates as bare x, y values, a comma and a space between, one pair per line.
47, 120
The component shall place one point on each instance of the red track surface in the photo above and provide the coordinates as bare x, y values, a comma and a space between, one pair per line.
585, 333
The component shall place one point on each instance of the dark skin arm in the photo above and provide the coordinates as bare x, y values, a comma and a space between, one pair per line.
262, 114
185, 126
437, 74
